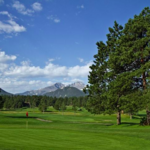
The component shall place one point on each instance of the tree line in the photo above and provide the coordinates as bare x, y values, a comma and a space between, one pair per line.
42, 102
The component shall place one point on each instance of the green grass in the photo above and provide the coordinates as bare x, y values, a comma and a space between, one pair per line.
69, 131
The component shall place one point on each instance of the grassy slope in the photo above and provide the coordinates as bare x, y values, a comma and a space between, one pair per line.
70, 131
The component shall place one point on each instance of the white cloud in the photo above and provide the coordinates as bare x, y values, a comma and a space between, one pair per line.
81, 59
25, 63
22, 9
56, 20
49, 71
10, 26
53, 18
37, 6
5, 58
19, 78
14, 85
79, 71
3, 67
6, 13
76, 80
25, 11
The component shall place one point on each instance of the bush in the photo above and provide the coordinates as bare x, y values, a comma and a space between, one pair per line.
79, 109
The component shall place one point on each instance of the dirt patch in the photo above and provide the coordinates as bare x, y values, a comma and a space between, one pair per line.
43, 120
107, 120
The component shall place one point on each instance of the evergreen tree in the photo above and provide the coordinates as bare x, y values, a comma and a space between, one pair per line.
63, 107
135, 44
121, 67
43, 104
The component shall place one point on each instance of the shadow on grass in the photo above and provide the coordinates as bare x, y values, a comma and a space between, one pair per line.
23, 117
141, 115
129, 123
49, 111
9, 110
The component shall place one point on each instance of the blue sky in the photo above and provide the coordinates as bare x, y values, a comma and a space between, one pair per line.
48, 41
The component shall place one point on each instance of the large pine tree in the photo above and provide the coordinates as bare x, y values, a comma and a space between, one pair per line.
121, 67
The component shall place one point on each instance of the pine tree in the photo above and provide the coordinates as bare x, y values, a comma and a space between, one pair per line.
121, 67
135, 43
43, 104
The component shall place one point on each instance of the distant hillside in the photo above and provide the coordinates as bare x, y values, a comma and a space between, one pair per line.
45, 90
66, 92
2, 92
52, 88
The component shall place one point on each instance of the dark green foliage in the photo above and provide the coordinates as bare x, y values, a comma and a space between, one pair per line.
74, 108
66, 92
43, 104
121, 68
63, 107
143, 121
1, 102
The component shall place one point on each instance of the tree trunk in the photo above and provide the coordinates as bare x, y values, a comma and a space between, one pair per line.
118, 117
144, 88
144, 81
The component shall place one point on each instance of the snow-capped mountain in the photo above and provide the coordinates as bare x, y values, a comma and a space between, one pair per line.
42, 91
52, 88
78, 85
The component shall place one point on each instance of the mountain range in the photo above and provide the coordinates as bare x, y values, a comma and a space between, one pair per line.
66, 92
2, 92
52, 88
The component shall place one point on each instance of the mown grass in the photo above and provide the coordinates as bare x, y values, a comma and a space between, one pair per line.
69, 131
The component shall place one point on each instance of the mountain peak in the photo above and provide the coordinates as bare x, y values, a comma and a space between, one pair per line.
2, 92
79, 85
59, 85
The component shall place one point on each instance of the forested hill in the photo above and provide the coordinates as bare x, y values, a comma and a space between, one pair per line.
66, 92
2, 92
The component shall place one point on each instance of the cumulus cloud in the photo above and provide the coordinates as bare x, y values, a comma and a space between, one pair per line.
50, 71
25, 63
25, 11
13, 85
5, 58
6, 13
53, 18
3, 67
10, 26
37, 6
21, 8
27, 76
